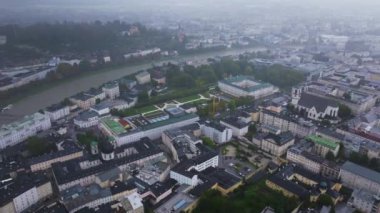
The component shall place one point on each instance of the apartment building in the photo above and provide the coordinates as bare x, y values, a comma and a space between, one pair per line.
276, 145
287, 122
57, 111
18, 131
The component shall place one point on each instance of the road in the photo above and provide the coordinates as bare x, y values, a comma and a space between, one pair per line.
57, 93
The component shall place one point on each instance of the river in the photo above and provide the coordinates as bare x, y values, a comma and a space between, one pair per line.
55, 94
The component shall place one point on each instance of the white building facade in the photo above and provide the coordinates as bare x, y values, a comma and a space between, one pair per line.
19, 131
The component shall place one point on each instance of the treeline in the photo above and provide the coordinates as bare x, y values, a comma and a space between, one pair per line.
248, 198
43, 39
190, 76
363, 160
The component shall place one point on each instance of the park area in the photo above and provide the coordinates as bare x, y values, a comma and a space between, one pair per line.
249, 198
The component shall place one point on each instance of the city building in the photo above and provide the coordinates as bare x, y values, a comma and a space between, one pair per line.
158, 191
323, 145
187, 172
359, 177
330, 169
287, 188
315, 107
158, 77
87, 99
20, 193
367, 125
57, 111
180, 202
93, 195
18, 131
218, 133
66, 150
143, 77
276, 145
365, 201
182, 143
313, 162
243, 86
86, 119
305, 159
287, 122
111, 90
83, 171
131, 129
359, 101
238, 127
298, 182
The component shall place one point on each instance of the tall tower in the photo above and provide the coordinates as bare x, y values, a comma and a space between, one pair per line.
296, 95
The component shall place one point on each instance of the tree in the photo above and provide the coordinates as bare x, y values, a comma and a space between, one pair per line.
244, 101
84, 66
232, 105
341, 152
252, 130
344, 112
325, 200
143, 97
325, 122
330, 156
347, 96
86, 138
38, 146
208, 142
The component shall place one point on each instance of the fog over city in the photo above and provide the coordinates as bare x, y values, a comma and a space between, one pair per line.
135, 10
190, 106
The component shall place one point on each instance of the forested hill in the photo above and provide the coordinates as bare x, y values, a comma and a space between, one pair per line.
43, 39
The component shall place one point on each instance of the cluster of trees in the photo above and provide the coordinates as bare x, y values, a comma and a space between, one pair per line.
209, 142
362, 159
67, 70
249, 198
344, 112
38, 146
86, 138
277, 75
323, 200
44, 39
252, 130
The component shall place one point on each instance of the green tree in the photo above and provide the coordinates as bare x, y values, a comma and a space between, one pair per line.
86, 138
209, 142
330, 156
344, 111
341, 152
38, 146
143, 97
325, 200
84, 66
232, 105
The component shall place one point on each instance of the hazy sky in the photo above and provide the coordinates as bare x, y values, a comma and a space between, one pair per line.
26, 10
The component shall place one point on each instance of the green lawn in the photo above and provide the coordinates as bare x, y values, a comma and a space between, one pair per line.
188, 98
146, 109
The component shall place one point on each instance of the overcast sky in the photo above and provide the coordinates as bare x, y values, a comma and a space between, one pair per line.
21, 10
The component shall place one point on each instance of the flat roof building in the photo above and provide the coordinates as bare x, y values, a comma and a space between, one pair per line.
243, 86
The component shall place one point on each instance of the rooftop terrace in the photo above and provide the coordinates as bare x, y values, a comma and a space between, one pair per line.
323, 141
